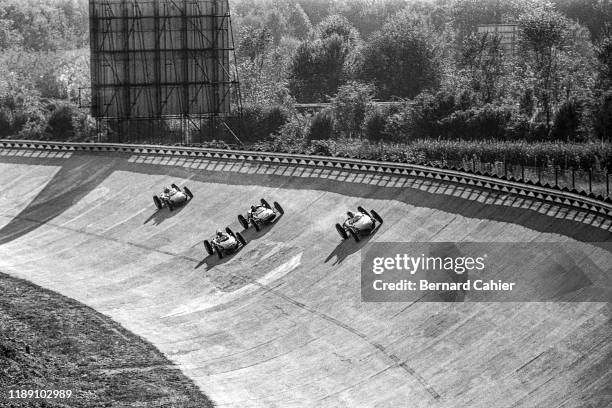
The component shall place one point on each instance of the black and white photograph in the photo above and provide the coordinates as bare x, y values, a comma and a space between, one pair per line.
305, 203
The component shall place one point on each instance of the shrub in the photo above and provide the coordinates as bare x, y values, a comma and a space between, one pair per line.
350, 106
6, 121
602, 117
567, 121
291, 137
258, 122
487, 122
374, 125
59, 125
321, 126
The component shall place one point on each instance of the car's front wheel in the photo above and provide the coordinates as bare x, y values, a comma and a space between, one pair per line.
354, 235
157, 202
188, 192
363, 211
377, 217
208, 247
278, 208
243, 221
240, 239
341, 231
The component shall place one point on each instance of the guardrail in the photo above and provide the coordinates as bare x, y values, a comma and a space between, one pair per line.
533, 190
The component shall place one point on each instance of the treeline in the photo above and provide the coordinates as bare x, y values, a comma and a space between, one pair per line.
43, 63
447, 81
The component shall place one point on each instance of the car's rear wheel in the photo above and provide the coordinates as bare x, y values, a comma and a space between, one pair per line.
240, 239
354, 235
188, 192
219, 253
363, 211
341, 231
157, 202
278, 208
230, 232
377, 217
208, 247
174, 186
243, 221
256, 226
170, 205
265, 203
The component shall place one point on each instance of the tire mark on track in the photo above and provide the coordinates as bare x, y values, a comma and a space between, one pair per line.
395, 359
390, 356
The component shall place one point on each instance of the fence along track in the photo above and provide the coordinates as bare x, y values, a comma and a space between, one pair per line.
533, 190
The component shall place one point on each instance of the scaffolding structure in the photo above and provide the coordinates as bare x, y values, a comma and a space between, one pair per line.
163, 71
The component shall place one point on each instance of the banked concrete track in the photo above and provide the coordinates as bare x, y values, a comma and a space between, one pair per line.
281, 323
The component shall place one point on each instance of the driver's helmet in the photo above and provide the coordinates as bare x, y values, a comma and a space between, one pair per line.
253, 208
219, 233
166, 190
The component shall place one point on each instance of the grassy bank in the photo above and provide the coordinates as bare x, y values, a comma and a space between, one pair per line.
50, 342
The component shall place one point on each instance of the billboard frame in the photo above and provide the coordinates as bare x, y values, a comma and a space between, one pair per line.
158, 65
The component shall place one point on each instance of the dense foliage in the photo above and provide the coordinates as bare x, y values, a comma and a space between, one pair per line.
445, 82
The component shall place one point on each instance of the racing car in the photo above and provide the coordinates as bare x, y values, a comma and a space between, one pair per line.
359, 224
261, 214
224, 243
171, 197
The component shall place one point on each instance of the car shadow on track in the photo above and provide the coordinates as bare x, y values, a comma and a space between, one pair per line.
213, 260
160, 216
347, 247
251, 234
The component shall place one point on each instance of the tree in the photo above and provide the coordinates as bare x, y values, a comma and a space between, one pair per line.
320, 66
350, 105
338, 25
482, 61
544, 32
402, 59
9, 37
604, 55
602, 117
299, 22
568, 120
321, 126
596, 15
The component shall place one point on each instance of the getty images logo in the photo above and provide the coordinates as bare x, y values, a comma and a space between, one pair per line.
414, 264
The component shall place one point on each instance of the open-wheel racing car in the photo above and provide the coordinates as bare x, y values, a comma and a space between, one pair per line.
359, 224
261, 214
224, 242
171, 197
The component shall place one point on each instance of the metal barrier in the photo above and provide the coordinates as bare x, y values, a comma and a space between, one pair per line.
534, 190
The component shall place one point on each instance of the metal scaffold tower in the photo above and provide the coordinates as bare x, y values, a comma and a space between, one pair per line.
163, 71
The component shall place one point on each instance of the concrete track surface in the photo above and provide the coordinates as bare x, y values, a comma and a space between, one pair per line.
281, 323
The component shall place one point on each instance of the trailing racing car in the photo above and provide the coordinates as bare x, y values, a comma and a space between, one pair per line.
359, 224
224, 242
171, 197
260, 215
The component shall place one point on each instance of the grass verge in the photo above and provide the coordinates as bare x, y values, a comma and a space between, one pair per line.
50, 342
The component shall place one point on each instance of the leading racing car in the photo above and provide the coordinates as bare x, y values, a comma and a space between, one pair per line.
171, 197
359, 224
261, 215
224, 242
